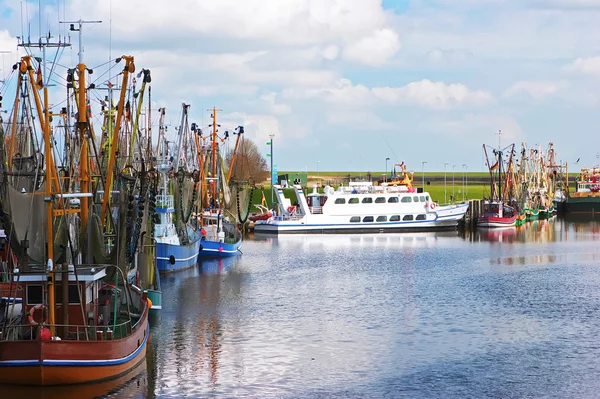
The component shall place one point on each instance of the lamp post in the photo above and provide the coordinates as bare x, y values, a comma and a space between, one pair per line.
445, 164
467, 181
463, 182
423, 173
386, 161
271, 156
318, 175
453, 195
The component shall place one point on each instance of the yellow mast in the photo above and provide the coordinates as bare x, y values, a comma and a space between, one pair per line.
129, 68
214, 154
82, 123
237, 142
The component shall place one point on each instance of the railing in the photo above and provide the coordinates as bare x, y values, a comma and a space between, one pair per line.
67, 332
164, 201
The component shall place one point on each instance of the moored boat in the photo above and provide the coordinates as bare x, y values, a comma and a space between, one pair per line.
65, 321
360, 208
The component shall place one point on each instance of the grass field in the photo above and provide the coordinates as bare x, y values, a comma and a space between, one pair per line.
472, 191
476, 185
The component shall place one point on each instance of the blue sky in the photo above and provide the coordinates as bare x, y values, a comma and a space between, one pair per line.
344, 84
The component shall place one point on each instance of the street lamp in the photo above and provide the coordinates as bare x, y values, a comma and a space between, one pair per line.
272, 174
463, 183
453, 195
445, 164
423, 171
467, 180
386, 161
318, 175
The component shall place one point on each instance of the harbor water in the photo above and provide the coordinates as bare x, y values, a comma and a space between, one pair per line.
489, 313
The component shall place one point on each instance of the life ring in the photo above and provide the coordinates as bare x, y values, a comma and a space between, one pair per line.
30, 317
291, 209
432, 206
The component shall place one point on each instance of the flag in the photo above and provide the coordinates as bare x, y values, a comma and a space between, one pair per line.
494, 166
38, 80
263, 201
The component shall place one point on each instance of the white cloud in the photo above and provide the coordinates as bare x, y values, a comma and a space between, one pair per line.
424, 93
482, 127
586, 65
433, 94
375, 49
535, 89
273, 106
256, 127
357, 26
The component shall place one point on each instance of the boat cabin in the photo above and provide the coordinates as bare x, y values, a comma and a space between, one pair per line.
90, 303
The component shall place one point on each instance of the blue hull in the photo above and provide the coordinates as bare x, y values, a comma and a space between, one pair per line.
171, 258
216, 249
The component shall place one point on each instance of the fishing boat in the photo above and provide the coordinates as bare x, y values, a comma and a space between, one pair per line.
496, 210
176, 248
69, 319
586, 197
221, 236
361, 207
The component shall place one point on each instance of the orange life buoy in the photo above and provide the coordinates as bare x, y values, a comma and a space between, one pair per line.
30, 317
432, 206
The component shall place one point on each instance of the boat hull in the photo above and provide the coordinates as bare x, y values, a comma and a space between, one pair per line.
171, 258
216, 249
446, 218
492, 221
47, 363
582, 205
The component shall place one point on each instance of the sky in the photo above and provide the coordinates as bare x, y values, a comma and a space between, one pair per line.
344, 84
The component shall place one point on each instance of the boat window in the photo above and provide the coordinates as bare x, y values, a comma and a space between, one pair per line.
407, 217
34, 294
380, 200
367, 200
406, 199
423, 199
73, 294
394, 218
353, 201
355, 219
340, 200
393, 199
382, 218
427, 197
416, 198
367, 219
421, 217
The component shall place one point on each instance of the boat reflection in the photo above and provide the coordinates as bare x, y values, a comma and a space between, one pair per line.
133, 384
547, 230
337, 241
192, 319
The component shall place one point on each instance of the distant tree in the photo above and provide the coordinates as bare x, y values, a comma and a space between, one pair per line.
249, 163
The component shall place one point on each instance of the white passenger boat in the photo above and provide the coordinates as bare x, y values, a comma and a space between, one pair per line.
360, 207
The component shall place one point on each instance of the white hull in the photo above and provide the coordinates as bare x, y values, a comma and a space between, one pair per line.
386, 216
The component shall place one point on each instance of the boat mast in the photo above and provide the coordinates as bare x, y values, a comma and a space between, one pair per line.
184, 114
214, 153
51, 178
129, 68
240, 131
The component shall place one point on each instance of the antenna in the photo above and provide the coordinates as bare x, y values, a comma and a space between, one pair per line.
80, 30
43, 43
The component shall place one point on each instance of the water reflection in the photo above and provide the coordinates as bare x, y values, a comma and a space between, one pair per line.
133, 384
319, 242
192, 328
